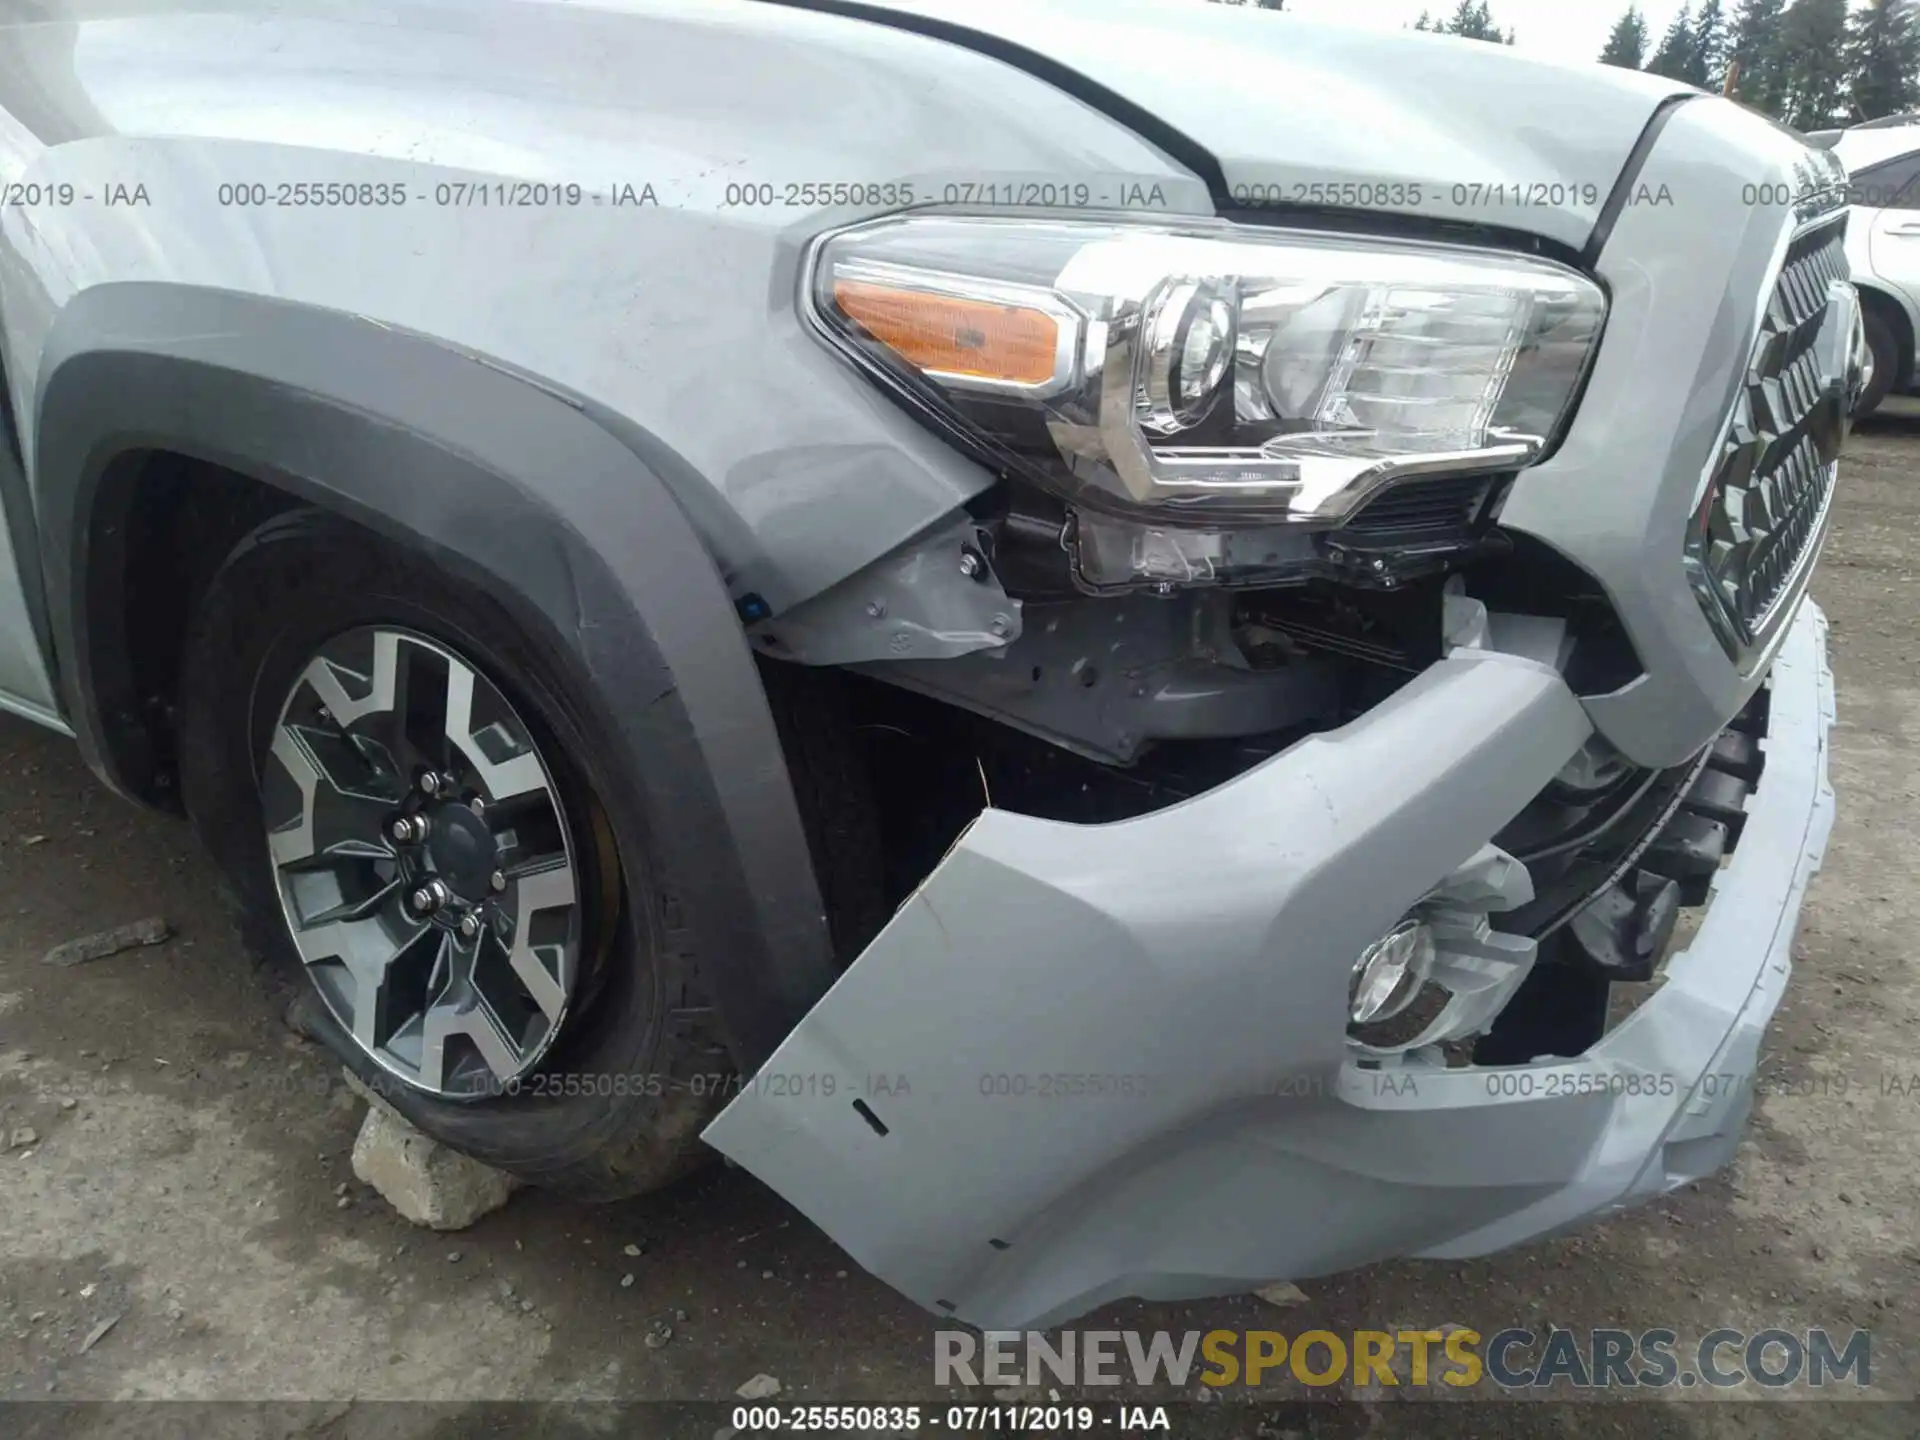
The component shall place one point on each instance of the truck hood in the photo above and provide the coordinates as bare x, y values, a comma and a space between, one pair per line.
1412, 123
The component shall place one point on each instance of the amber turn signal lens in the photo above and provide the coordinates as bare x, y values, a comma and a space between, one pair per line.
951, 336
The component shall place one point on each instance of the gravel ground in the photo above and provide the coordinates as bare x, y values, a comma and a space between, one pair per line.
188, 1172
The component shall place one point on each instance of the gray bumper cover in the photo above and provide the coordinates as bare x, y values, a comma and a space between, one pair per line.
1093, 1062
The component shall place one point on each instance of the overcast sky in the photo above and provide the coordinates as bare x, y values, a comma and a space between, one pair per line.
1560, 29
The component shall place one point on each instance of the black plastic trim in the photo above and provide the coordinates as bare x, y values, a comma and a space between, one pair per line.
1402, 225
1629, 176
508, 485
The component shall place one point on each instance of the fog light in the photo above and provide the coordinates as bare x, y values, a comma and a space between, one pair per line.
1389, 973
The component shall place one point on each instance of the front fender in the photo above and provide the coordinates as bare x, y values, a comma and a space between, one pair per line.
511, 486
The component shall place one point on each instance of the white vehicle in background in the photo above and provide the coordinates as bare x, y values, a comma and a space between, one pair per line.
1883, 245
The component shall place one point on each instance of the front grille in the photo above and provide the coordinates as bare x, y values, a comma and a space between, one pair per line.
1768, 491
1424, 506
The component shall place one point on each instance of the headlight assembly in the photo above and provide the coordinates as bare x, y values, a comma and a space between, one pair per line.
1206, 374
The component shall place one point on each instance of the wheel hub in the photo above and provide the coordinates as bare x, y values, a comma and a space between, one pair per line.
425, 862
463, 851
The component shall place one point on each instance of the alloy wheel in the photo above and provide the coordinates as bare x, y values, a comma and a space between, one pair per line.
425, 862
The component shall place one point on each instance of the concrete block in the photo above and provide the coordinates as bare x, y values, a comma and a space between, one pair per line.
428, 1183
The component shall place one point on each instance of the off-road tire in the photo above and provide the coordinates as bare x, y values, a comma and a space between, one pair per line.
641, 1037
1886, 360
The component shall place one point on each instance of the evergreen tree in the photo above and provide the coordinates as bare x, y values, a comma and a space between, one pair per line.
1627, 45
1883, 56
1755, 48
1676, 48
1471, 19
1706, 63
1814, 48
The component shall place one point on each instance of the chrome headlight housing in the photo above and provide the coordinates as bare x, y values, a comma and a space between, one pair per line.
1207, 372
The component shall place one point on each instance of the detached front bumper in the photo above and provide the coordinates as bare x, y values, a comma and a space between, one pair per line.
1089, 1062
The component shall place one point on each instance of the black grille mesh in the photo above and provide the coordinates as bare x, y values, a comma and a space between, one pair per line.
1423, 506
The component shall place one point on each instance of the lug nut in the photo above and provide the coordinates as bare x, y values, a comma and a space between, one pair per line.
469, 926
432, 782
409, 829
431, 896
971, 565
477, 805
499, 881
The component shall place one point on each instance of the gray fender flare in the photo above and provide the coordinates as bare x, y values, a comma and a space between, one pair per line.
507, 483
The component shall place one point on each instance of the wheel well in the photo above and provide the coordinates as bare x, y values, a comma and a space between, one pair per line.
1895, 314
161, 526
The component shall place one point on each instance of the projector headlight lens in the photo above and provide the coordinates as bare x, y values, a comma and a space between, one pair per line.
1206, 371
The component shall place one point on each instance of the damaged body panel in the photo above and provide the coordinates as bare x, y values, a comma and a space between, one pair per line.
1105, 680
1086, 1063
1201, 953
1137, 1058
